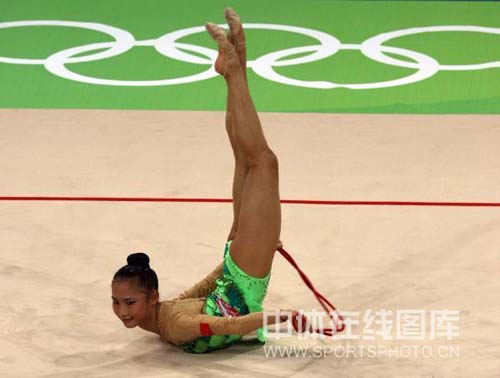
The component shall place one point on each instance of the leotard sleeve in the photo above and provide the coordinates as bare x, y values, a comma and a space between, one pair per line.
189, 327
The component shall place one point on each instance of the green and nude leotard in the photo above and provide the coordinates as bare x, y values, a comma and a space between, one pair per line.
236, 294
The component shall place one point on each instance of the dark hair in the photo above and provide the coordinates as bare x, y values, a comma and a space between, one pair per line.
138, 269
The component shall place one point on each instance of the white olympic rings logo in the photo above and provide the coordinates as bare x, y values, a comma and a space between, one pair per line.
263, 66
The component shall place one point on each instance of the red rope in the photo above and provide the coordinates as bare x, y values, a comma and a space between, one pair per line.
325, 303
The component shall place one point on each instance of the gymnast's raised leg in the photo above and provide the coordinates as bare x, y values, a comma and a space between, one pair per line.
236, 36
257, 208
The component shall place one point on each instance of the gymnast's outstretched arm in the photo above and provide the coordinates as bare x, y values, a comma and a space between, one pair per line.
190, 327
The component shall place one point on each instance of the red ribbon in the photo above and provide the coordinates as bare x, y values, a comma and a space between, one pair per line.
325, 303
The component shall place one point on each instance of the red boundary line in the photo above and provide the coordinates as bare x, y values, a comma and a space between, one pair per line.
228, 200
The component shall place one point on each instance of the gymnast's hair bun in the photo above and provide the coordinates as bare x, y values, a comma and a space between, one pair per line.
138, 259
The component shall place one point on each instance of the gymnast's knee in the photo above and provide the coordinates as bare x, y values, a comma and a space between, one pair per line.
265, 159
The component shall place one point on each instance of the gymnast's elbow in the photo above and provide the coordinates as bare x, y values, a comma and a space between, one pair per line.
226, 326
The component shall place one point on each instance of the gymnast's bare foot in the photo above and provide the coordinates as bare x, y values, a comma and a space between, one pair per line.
236, 35
227, 61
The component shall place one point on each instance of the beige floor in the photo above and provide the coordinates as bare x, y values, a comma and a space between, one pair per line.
57, 258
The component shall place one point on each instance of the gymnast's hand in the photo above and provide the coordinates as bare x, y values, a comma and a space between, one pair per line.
299, 321
286, 314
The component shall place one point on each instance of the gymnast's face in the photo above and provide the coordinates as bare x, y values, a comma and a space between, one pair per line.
130, 304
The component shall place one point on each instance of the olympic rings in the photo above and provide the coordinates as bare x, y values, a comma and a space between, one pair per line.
56, 65
123, 40
372, 45
263, 66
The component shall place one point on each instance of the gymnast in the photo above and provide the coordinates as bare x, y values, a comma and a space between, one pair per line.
220, 309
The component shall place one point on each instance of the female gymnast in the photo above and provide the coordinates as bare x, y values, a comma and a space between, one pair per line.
227, 304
